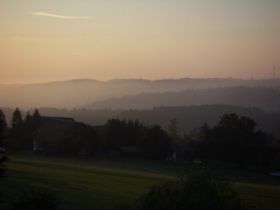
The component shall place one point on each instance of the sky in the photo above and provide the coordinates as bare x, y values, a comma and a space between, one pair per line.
47, 40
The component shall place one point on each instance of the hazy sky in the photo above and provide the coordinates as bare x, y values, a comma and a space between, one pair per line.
43, 40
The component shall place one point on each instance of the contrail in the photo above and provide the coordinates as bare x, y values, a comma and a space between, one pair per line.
58, 16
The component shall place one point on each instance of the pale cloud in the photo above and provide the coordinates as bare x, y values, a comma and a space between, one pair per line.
58, 16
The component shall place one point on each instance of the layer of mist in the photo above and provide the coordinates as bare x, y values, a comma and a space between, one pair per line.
78, 93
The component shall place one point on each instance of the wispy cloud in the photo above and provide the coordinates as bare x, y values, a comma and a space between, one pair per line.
59, 16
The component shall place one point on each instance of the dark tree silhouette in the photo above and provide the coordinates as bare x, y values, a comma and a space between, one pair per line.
35, 199
192, 191
152, 141
30, 127
172, 129
156, 144
234, 140
3, 159
36, 119
22, 131
3, 128
16, 133
36, 114
17, 120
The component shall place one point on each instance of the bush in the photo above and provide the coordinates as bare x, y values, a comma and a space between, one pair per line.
36, 199
197, 191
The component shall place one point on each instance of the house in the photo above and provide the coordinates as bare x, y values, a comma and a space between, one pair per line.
51, 131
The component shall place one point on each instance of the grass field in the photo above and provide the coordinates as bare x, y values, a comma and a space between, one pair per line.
103, 184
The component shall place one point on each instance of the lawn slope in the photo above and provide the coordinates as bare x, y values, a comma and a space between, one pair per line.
103, 184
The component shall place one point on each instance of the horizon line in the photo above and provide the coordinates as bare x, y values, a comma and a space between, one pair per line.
134, 79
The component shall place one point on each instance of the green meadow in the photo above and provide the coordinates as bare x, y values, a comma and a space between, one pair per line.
103, 184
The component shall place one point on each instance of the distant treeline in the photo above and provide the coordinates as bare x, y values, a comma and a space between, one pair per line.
188, 117
235, 140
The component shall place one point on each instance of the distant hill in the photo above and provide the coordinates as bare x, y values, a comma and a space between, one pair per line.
77, 93
264, 98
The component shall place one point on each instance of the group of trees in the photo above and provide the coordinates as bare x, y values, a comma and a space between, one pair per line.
82, 139
123, 137
21, 130
234, 140
152, 141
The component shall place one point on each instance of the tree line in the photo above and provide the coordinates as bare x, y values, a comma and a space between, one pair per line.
115, 136
188, 117
233, 141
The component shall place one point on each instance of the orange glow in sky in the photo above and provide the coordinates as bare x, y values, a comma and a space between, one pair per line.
64, 39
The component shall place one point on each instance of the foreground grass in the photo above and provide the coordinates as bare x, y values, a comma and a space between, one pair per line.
101, 184
80, 184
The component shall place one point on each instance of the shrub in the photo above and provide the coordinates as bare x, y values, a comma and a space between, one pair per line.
196, 191
35, 199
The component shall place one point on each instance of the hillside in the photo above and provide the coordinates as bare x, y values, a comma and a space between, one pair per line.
77, 93
264, 98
